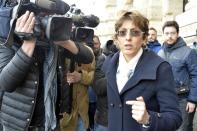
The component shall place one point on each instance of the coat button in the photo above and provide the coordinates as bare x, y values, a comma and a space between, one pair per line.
158, 115
36, 64
111, 104
36, 82
120, 105
60, 67
32, 102
28, 119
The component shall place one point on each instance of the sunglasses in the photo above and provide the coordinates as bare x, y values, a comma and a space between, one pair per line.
132, 33
170, 33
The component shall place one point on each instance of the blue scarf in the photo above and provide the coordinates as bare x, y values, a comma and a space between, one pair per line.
50, 86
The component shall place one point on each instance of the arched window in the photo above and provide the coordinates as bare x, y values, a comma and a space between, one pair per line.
184, 3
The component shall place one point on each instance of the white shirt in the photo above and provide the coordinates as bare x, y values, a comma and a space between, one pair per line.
124, 69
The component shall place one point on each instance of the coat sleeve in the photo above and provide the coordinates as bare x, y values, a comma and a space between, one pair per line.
169, 117
87, 73
192, 69
100, 81
13, 68
85, 54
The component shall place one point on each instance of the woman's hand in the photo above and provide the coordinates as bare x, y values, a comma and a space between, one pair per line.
138, 110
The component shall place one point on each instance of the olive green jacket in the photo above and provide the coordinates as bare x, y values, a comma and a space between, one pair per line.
80, 99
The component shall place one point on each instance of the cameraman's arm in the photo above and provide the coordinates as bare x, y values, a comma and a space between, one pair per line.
15, 65
69, 45
77, 51
25, 24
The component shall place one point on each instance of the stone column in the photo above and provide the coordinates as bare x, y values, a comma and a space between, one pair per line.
141, 6
154, 10
111, 9
154, 14
171, 8
166, 10
105, 30
124, 4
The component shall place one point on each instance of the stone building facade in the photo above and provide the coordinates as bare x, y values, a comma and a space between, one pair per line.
157, 11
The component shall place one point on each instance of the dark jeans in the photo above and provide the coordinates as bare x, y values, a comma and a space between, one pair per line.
187, 124
1, 127
42, 129
98, 127
36, 129
190, 120
91, 113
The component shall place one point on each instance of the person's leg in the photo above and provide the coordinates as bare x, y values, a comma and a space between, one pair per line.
98, 127
91, 113
80, 125
190, 121
1, 127
182, 104
36, 129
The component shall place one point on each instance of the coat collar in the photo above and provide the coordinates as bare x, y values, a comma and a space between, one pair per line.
145, 70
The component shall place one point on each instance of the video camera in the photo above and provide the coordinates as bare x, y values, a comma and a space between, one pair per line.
81, 30
57, 21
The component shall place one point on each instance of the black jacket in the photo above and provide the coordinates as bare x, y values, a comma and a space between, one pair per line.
100, 88
19, 78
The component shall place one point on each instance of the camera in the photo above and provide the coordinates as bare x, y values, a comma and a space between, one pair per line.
83, 24
57, 21
50, 22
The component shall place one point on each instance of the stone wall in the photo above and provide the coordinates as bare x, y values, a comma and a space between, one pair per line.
157, 11
188, 21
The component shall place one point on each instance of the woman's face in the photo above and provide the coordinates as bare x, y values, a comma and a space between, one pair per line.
129, 39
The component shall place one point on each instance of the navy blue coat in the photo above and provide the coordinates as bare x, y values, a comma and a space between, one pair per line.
153, 80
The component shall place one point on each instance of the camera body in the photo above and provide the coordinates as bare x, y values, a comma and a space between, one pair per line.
57, 21
50, 23
83, 24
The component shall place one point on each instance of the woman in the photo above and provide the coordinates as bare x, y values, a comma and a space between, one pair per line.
141, 94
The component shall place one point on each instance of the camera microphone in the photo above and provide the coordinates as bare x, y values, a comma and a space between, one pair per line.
88, 20
91, 20
56, 6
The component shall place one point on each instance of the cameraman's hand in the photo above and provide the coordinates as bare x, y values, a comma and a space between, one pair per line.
25, 24
69, 45
74, 77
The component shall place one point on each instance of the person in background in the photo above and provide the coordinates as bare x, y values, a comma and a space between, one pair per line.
92, 96
80, 79
153, 44
100, 88
184, 66
191, 118
110, 48
140, 85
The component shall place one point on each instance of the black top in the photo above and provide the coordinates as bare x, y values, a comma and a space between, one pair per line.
39, 111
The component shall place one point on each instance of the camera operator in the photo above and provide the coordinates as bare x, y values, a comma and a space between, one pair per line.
29, 78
